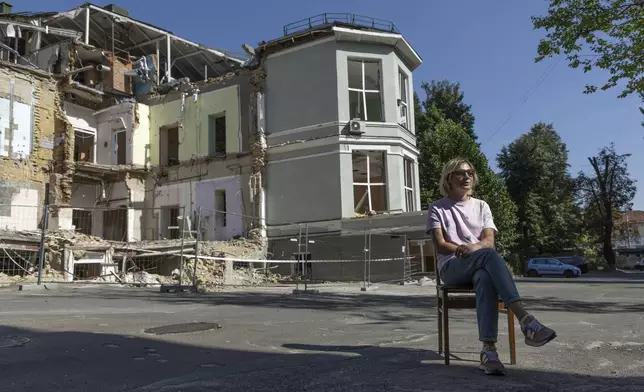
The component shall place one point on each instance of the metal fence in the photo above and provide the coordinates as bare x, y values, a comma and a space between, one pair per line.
205, 248
94, 244
320, 254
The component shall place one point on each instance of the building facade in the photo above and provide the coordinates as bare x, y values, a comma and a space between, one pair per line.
157, 137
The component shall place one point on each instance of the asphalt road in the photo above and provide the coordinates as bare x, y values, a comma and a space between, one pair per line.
93, 339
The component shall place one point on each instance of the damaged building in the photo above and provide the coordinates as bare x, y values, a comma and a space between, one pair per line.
156, 140
153, 137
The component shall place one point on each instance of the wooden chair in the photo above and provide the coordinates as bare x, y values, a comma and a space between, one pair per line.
462, 297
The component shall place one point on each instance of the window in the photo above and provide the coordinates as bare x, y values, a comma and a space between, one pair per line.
170, 225
365, 98
119, 141
217, 135
84, 144
369, 183
169, 146
220, 206
82, 221
403, 99
410, 199
115, 224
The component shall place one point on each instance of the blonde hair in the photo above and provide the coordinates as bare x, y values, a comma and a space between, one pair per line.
449, 168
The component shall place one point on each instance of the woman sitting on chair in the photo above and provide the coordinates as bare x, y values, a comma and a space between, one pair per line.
464, 231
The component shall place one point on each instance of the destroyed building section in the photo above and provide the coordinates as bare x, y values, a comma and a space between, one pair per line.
72, 256
111, 71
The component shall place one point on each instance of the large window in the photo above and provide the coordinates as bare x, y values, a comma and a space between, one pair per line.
365, 96
369, 181
403, 99
410, 197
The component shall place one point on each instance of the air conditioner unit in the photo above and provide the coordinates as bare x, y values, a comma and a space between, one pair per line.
356, 127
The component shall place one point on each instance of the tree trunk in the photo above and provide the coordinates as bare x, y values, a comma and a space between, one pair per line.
609, 254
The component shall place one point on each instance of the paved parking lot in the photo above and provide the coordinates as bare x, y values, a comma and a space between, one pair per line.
93, 339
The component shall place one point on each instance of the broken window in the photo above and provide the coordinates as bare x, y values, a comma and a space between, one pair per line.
169, 146
365, 99
170, 222
217, 135
220, 206
82, 221
369, 183
403, 99
410, 199
115, 225
119, 142
84, 142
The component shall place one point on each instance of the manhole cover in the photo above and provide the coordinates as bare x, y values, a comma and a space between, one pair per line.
182, 328
13, 341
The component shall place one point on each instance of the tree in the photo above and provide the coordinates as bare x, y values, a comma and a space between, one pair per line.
445, 100
535, 170
606, 193
447, 140
613, 30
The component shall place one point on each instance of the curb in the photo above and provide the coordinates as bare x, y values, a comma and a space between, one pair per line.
37, 287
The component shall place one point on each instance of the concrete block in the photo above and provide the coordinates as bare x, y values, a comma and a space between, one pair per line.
228, 272
37, 287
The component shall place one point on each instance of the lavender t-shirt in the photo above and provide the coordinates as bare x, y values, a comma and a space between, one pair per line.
462, 222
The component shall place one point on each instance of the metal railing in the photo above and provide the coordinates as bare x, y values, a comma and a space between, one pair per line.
338, 18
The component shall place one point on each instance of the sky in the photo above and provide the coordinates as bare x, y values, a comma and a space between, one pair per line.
486, 46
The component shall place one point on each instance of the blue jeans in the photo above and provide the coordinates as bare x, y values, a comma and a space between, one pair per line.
486, 270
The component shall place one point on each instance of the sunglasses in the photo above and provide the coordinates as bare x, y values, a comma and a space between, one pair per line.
462, 173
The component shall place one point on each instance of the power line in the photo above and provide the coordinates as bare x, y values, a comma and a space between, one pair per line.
525, 98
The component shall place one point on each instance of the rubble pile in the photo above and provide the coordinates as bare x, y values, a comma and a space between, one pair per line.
210, 273
142, 277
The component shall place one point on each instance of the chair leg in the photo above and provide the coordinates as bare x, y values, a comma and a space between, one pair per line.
512, 338
440, 327
446, 329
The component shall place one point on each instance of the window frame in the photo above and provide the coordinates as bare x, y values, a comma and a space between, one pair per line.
369, 184
410, 190
213, 130
403, 105
363, 91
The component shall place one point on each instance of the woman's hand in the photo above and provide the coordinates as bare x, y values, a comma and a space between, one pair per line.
465, 250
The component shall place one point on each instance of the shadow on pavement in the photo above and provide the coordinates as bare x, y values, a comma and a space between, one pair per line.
75, 361
382, 308
552, 304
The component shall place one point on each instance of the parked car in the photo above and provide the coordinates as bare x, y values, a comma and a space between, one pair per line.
639, 265
549, 266
577, 261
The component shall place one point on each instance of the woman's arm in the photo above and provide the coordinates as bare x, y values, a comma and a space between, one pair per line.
487, 239
443, 246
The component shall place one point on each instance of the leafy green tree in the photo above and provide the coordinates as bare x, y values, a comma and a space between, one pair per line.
445, 100
535, 169
612, 30
604, 193
447, 140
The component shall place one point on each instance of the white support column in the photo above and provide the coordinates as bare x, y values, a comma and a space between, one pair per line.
158, 71
168, 66
87, 11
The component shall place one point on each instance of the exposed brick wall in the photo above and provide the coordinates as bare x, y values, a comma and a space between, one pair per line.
34, 169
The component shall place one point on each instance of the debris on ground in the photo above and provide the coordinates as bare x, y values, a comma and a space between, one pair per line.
210, 274
142, 277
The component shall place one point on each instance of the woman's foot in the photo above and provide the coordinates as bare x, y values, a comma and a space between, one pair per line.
491, 364
536, 334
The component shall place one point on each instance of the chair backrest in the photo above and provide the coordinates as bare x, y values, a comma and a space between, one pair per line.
436, 269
